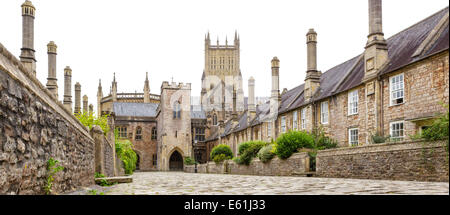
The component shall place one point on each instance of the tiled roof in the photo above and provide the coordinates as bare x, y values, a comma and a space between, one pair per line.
135, 109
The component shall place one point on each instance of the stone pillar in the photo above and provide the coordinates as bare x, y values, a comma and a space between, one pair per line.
68, 88
85, 104
97, 134
52, 81
77, 98
27, 56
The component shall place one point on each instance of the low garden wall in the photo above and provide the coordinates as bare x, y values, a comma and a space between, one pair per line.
298, 163
411, 161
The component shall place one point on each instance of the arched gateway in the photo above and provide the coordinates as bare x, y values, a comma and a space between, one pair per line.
176, 161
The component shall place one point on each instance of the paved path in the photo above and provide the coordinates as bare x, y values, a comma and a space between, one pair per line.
175, 183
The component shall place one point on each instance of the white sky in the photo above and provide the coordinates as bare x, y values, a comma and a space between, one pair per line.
166, 38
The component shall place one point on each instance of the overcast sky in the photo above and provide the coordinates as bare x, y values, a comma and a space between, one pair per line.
166, 38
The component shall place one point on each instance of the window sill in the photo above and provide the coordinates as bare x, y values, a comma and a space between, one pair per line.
353, 114
393, 105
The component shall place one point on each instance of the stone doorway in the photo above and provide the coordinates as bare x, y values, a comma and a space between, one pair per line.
138, 161
176, 162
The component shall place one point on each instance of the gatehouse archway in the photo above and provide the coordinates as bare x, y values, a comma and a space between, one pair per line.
176, 161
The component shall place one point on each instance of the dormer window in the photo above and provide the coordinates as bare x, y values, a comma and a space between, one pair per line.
396, 87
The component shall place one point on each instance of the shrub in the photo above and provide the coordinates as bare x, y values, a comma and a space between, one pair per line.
288, 143
251, 151
221, 157
124, 150
221, 149
266, 154
438, 130
99, 175
243, 146
378, 138
321, 141
89, 119
189, 161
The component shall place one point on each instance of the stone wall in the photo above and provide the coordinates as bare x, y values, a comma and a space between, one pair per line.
411, 161
35, 127
298, 163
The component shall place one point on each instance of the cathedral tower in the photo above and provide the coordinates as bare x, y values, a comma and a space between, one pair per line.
27, 55
221, 78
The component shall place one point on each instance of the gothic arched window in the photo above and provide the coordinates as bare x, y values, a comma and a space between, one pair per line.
138, 133
154, 133
176, 110
214, 119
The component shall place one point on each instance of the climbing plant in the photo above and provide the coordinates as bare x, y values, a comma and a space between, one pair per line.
52, 170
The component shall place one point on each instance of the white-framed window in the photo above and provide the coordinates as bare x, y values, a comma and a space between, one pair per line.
397, 89
295, 121
269, 129
283, 124
353, 137
397, 130
353, 102
303, 118
324, 112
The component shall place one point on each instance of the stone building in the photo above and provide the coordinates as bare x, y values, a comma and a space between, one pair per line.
395, 88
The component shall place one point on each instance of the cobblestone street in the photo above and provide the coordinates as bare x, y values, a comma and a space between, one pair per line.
176, 183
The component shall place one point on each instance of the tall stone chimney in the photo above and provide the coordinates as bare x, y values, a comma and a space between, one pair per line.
52, 81
99, 98
275, 97
376, 53
27, 56
251, 98
77, 98
312, 80
375, 57
85, 104
146, 89
68, 88
91, 109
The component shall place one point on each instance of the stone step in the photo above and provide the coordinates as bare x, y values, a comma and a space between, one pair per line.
119, 179
304, 174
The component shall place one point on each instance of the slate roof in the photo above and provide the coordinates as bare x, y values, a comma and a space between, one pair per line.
402, 46
135, 109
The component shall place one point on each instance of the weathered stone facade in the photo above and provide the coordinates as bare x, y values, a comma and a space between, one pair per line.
34, 127
297, 164
421, 161
174, 126
144, 146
